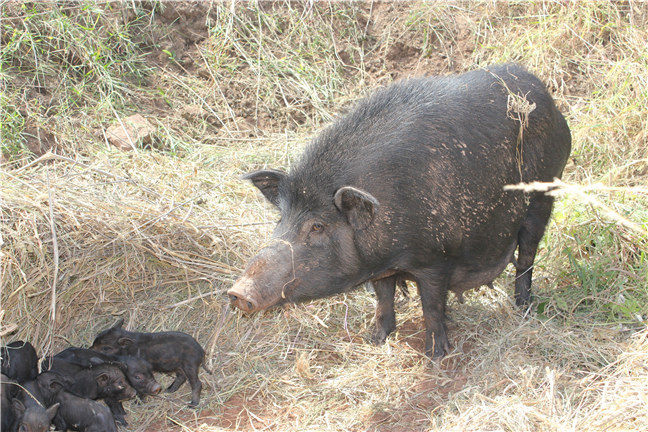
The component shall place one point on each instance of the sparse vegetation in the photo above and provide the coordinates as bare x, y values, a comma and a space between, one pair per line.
234, 88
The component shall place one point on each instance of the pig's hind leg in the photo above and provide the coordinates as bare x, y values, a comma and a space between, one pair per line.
177, 382
118, 411
433, 290
385, 317
529, 237
191, 371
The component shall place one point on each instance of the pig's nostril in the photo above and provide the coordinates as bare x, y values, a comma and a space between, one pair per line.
241, 300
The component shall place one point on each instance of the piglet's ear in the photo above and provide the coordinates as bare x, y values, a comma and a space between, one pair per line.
125, 342
122, 366
95, 361
267, 181
18, 407
358, 206
55, 384
102, 379
119, 324
51, 411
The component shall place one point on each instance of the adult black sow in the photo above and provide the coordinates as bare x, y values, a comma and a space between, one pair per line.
410, 185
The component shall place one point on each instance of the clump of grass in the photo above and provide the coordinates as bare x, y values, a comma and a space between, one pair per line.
105, 225
65, 61
11, 125
282, 59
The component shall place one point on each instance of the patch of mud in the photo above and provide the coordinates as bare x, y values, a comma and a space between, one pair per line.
242, 412
413, 415
414, 53
427, 395
178, 28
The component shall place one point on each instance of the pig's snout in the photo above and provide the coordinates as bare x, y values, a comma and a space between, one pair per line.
127, 393
239, 301
240, 295
155, 388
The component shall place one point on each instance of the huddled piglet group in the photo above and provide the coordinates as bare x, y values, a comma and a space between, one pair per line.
71, 384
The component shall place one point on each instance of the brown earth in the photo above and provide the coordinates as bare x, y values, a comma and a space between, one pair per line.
242, 412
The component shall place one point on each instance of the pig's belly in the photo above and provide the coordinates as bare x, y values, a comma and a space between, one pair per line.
467, 277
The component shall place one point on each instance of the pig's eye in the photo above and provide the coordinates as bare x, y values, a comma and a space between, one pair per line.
138, 377
317, 227
106, 349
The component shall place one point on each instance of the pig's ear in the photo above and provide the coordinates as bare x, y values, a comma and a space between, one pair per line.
358, 206
267, 181
18, 407
102, 379
51, 411
55, 381
119, 323
125, 341
95, 361
122, 366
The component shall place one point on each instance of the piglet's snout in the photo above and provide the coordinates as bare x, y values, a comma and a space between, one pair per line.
155, 389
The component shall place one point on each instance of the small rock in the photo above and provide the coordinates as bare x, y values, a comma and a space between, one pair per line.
193, 113
38, 140
135, 129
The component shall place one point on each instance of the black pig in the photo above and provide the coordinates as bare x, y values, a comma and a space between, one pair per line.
29, 407
101, 381
104, 381
7, 390
85, 415
166, 351
410, 185
138, 372
19, 361
74, 412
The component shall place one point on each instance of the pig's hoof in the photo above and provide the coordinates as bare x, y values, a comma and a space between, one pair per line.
379, 335
193, 405
524, 303
439, 350
436, 354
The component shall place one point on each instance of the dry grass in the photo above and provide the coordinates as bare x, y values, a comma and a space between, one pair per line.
151, 234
